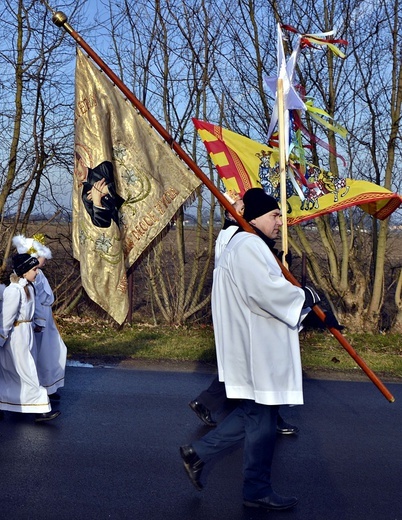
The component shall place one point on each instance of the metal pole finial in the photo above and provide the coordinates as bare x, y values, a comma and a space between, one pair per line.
59, 18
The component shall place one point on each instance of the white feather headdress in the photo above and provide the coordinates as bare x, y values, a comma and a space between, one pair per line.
33, 246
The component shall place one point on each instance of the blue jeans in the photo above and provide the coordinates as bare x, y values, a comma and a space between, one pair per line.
256, 424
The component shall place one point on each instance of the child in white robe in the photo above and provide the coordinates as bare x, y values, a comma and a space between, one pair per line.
20, 390
51, 351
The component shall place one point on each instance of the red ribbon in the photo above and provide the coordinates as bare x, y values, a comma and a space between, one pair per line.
306, 40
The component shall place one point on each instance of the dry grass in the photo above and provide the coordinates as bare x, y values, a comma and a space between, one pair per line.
89, 339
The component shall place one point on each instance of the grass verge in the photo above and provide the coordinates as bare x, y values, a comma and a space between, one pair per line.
90, 340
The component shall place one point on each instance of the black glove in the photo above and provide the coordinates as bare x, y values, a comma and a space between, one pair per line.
311, 297
331, 322
312, 321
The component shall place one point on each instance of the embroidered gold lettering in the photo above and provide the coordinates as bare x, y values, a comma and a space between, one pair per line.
84, 105
152, 217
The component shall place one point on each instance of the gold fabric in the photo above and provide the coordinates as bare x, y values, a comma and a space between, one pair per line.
151, 184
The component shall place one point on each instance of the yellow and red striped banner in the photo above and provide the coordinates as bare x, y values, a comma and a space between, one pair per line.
243, 164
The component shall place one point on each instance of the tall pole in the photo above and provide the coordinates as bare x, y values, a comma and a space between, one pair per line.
60, 19
282, 168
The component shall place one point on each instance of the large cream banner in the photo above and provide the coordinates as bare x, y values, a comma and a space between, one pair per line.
128, 185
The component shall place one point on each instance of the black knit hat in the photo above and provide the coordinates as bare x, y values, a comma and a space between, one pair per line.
257, 203
22, 263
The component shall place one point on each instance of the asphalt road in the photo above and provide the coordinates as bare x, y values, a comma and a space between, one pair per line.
113, 453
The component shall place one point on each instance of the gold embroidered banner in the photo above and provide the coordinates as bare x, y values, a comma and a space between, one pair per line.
243, 163
128, 185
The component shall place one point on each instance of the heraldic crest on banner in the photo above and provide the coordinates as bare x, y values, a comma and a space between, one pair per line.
307, 188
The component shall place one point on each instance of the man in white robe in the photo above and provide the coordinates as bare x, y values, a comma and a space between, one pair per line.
214, 397
256, 315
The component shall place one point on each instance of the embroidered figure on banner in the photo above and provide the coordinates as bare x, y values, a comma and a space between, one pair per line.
316, 183
99, 195
328, 182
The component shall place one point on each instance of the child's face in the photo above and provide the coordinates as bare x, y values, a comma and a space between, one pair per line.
31, 275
